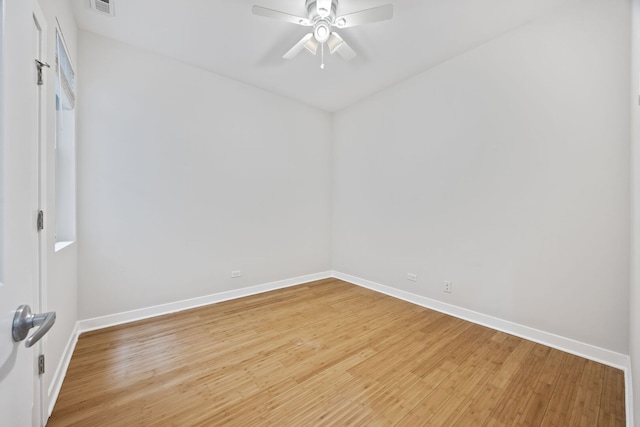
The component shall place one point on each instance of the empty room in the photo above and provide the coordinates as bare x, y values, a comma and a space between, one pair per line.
319, 212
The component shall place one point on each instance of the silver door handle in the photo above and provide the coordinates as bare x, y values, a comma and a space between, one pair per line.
24, 320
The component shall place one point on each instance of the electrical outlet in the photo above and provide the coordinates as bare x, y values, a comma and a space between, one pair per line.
236, 273
412, 277
448, 287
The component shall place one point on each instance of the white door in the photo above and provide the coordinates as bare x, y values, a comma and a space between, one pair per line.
19, 264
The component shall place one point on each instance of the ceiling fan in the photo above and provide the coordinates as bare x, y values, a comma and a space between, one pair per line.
322, 16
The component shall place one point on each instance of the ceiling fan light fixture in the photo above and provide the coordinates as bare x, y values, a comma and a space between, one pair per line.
334, 42
322, 15
312, 45
322, 31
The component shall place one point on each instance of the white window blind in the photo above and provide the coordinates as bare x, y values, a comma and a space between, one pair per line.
65, 147
65, 72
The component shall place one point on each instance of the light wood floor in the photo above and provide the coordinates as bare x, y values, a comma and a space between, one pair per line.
328, 353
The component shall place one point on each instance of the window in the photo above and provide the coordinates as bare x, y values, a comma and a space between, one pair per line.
65, 147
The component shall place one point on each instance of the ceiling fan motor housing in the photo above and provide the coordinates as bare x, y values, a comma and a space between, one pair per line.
322, 10
323, 14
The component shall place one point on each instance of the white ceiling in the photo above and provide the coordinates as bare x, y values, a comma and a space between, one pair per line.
223, 36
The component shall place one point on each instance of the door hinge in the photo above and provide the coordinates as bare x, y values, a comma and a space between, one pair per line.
40, 66
40, 221
41, 364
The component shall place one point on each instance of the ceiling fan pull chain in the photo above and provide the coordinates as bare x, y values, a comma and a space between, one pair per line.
322, 54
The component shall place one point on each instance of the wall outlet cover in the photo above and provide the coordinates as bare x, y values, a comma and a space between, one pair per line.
448, 288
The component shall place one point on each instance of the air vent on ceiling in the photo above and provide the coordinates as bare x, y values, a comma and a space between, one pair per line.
102, 6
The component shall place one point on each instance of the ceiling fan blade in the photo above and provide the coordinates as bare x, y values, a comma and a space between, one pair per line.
380, 13
281, 16
294, 51
337, 44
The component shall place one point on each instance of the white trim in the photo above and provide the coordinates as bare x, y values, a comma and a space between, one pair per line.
628, 393
172, 307
40, 303
61, 370
159, 310
568, 345
588, 351
61, 245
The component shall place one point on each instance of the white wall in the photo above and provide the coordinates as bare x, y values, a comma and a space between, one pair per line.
185, 176
505, 171
634, 294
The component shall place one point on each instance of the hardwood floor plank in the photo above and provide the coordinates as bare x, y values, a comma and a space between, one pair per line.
536, 406
511, 406
612, 403
327, 353
586, 406
562, 400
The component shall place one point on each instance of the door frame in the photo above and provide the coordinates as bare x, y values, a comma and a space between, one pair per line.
40, 294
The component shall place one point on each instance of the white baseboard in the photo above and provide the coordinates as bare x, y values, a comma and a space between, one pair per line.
172, 307
588, 351
61, 370
159, 310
